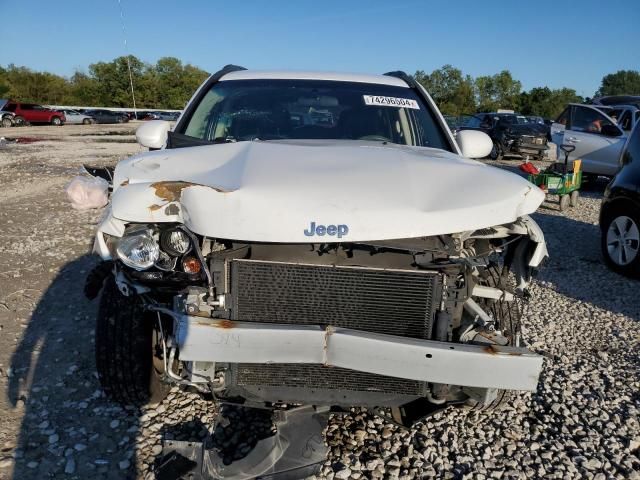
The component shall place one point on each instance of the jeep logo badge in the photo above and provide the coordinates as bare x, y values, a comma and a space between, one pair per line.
322, 230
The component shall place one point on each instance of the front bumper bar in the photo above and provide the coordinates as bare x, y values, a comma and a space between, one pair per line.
484, 366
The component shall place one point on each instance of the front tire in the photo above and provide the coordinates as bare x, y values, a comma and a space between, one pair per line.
508, 317
496, 152
620, 241
7, 122
124, 350
87, 121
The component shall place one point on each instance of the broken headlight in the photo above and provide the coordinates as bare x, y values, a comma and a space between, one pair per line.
175, 242
138, 249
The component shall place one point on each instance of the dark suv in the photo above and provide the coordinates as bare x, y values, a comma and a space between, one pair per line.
620, 212
512, 134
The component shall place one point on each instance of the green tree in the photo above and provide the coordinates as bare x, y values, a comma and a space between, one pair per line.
83, 90
29, 86
497, 91
450, 89
113, 83
623, 82
4, 86
176, 82
546, 102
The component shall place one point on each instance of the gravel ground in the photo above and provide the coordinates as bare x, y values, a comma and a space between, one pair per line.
56, 423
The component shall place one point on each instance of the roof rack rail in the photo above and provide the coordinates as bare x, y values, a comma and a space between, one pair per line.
403, 76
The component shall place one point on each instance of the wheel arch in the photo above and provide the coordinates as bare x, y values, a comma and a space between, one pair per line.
615, 204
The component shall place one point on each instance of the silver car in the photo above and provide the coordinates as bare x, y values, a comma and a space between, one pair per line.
75, 117
598, 138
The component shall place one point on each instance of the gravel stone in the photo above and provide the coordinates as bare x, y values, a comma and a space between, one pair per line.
70, 466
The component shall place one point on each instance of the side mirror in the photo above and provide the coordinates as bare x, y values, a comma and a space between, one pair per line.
153, 134
610, 131
474, 144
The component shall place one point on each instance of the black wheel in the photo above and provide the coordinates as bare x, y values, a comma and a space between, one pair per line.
126, 353
620, 241
19, 121
564, 202
7, 122
57, 121
496, 152
574, 198
507, 316
86, 121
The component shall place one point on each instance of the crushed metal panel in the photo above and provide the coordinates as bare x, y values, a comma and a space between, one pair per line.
439, 362
216, 185
201, 338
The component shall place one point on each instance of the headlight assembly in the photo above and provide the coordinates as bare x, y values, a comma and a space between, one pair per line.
138, 249
175, 242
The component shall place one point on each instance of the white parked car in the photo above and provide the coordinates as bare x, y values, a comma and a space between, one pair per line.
359, 257
75, 117
597, 137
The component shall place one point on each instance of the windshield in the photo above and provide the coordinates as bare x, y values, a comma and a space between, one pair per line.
240, 110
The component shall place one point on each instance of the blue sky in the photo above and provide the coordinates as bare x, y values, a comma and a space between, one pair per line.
554, 43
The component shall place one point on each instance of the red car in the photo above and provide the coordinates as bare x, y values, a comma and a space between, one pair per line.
33, 113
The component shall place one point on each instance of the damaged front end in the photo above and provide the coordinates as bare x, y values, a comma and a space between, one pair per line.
404, 327
367, 323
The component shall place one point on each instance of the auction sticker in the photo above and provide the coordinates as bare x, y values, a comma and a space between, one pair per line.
391, 102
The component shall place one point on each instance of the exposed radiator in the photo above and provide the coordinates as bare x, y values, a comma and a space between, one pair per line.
396, 302
318, 377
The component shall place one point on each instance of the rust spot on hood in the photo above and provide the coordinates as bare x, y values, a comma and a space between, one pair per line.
171, 191
125, 183
226, 324
155, 207
490, 350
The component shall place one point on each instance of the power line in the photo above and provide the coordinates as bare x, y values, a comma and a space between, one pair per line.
126, 50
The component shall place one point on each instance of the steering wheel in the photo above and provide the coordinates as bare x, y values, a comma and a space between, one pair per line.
375, 138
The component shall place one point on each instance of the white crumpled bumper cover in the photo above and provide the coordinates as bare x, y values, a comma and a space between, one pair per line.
207, 340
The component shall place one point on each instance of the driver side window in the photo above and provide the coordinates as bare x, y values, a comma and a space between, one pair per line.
587, 120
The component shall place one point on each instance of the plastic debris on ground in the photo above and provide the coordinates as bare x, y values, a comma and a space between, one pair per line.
86, 193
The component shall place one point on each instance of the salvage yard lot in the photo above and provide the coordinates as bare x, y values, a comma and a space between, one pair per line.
56, 423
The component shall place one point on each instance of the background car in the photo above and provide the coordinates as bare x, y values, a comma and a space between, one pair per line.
626, 116
6, 117
512, 134
107, 116
168, 116
75, 117
34, 113
597, 138
618, 100
620, 213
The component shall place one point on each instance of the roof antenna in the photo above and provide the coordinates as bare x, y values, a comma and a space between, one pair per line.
126, 50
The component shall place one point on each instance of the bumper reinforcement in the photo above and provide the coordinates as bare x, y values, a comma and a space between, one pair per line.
484, 366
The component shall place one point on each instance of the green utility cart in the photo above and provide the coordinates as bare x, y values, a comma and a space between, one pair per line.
558, 179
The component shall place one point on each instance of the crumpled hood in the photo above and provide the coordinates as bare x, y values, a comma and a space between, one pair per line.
317, 191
